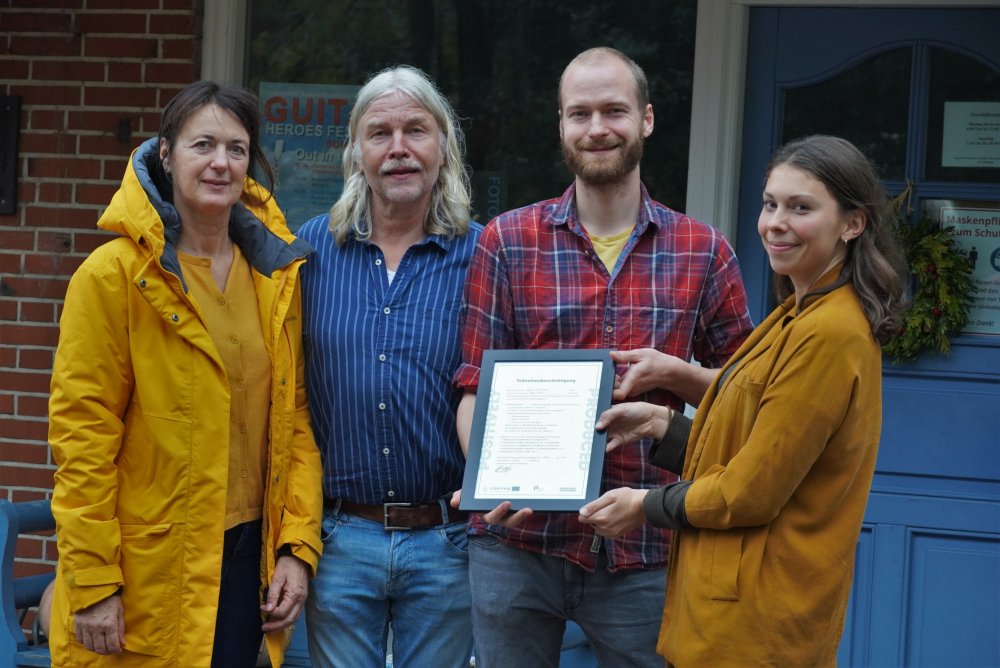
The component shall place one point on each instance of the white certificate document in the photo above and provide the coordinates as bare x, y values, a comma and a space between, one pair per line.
538, 434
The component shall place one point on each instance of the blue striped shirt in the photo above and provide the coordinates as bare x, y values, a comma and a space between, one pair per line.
379, 359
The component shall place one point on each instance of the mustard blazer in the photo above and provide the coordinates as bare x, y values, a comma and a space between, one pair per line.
781, 458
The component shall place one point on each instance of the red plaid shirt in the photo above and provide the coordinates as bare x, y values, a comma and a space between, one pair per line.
535, 281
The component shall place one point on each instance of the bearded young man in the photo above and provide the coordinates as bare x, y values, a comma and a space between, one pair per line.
603, 266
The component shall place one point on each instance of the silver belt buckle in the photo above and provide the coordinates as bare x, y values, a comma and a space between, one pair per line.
385, 516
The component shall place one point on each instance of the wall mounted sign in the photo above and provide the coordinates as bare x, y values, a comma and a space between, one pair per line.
971, 134
977, 230
304, 132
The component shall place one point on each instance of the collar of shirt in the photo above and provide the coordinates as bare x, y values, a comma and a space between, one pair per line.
564, 212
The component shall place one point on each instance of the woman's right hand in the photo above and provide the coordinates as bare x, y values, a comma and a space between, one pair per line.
631, 421
101, 627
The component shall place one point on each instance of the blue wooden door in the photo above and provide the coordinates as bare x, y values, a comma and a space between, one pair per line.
927, 583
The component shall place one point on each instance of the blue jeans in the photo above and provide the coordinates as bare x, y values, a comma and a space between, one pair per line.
368, 577
521, 601
238, 622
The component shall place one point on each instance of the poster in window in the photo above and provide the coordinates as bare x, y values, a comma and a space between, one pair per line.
971, 134
303, 136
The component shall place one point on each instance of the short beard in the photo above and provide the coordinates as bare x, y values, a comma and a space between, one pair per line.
605, 172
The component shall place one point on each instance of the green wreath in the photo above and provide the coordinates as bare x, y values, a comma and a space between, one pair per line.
942, 291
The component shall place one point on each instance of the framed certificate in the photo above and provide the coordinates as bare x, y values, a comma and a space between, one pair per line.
533, 441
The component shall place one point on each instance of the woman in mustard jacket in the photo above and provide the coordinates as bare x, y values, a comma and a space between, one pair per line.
187, 498
776, 467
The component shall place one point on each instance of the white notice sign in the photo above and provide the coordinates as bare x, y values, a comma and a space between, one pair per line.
971, 135
977, 231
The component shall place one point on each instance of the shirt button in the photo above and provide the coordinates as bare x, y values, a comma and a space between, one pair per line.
243, 474
385, 451
241, 384
222, 301
142, 282
243, 429
235, 341
381, 406
381, 358
609, 329
175, 317
392, 493
386, 310
378, 262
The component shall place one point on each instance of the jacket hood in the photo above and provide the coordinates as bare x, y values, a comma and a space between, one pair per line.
143, 210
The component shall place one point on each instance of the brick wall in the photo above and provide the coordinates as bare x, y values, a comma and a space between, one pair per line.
92, 76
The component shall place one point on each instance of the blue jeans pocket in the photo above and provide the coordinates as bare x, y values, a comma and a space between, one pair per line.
455, 537
328, 527
484, 540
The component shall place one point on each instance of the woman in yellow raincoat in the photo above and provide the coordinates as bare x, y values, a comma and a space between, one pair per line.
187, 498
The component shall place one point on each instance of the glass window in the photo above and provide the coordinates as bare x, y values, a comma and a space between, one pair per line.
866, 104
963, 94
499, 63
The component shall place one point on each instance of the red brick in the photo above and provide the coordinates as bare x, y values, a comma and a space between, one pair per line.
92, 193
64, 168
120, 96
179, 73
22, 568
178, 49
39, 359
86, 242
22, 495
55, 193
8, 312
126, 72
48, 142
6, 407
37, 22
106, 144
41, 312
120, 47
35, 288
51, 265
42, 4
174, 24
114, 168
102, 121
151, 123
17, 381
54, 242
123, 4
11, 69
8, 355
10, 263
40, 45
25, 192
67, 70
42, 216
53, 95
15, 238
25, 430
48, 119
32, 406
118, 23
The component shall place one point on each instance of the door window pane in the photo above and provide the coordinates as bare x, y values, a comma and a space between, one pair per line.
962, 92
867, 105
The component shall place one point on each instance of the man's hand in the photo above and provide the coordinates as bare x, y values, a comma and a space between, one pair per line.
286, 594
499, 515
616, 512
632, 421
101, 627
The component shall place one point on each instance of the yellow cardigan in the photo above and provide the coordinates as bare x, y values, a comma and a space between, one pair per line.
781, 458
139, 426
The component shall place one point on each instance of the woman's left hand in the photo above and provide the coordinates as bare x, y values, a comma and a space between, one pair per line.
616, 513
287, 593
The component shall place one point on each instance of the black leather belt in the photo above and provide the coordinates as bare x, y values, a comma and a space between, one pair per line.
396, 516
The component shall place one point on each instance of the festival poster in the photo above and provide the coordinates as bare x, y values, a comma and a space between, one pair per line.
304, 132
977, 232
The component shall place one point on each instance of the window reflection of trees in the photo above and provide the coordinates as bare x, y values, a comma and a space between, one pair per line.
499, 63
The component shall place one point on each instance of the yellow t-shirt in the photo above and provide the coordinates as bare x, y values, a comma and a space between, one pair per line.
233, 322
610, 248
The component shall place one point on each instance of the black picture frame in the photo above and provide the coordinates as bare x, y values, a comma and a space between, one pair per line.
491, 359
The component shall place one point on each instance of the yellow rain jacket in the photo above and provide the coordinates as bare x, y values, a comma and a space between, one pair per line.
139, 426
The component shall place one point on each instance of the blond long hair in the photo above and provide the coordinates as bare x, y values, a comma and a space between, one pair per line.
450, 199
